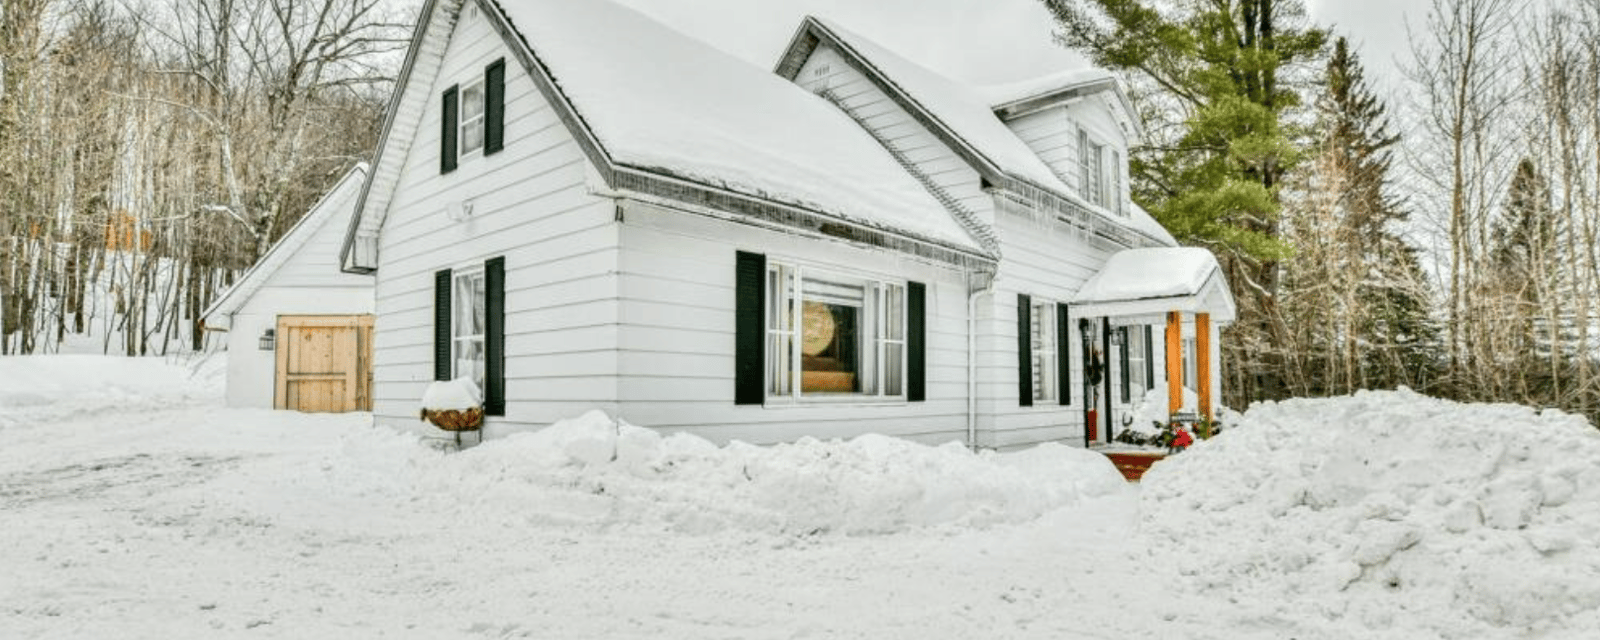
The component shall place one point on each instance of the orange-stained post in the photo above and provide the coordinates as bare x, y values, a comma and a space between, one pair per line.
1202, 361
1174, 362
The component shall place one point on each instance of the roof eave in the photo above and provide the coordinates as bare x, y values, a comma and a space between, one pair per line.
985, 166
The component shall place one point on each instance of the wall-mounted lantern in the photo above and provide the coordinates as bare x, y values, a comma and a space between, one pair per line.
1086, 329
269, 340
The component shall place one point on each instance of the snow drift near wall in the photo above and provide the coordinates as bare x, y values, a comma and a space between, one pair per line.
593, 471
1471, 520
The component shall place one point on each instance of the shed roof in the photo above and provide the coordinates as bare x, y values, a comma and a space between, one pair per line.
337, 204
1154, 281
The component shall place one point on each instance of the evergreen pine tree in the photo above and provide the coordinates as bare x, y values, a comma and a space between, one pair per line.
1218, 106
1354, 294
1398, 328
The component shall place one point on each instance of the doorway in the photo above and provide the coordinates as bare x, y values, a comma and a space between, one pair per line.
324, 364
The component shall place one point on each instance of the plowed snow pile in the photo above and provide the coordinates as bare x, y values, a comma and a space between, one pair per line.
592, 470
1390, 509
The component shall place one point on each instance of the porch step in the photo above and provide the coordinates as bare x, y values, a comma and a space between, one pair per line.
1133, 464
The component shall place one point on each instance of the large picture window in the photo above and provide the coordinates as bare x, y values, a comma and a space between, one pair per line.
1042, 332
833, 334
468, 326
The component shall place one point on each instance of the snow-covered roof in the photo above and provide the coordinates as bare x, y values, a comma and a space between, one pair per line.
968, 115
959, 107
1000, 95
660, 101
1140, 219
337, 204
1154, 281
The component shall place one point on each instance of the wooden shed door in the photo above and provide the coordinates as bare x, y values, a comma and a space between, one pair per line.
324, 363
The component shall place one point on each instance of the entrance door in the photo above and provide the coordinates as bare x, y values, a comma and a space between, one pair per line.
324, 363
1095, 368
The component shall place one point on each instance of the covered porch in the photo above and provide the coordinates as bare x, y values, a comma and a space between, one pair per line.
1179, 289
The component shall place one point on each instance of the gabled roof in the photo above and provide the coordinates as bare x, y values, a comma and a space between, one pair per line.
1154, 281
961, 116
337, 204
1016, 99
647, 101
1000, 95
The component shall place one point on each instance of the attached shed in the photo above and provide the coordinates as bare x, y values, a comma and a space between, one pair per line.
299, 329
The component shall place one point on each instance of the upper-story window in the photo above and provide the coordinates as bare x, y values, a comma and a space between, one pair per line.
474, 116
1100, 177
471, 124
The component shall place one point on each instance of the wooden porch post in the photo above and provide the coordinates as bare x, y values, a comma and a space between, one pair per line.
1174, 362
1202, 360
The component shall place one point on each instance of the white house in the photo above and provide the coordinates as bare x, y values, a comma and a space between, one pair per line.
579, 207
298, 328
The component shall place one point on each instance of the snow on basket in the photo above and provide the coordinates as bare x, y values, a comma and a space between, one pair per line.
453, 405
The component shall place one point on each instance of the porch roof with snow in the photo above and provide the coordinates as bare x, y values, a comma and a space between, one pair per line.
1154, 281
337, 203
660, 113
966, 119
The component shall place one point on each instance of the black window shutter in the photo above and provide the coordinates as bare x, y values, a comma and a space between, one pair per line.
749, 328
1125, 378
1149, 360
1063, 362
494, 108
1024, 350
916, 342
447, 130
441, 326
494, 339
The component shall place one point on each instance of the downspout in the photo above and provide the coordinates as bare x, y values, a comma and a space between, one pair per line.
984, 283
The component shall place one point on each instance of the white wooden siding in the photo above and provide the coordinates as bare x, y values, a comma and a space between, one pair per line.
879, 114
307, 282
529, 203
677, 334
1049, 263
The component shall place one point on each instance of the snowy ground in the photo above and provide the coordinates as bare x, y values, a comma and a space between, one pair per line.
132, 505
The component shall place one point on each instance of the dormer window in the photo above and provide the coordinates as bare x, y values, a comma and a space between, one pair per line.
1099, 181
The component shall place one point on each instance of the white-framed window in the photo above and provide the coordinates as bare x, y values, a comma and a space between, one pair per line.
1189, 362
1116, 203
467, 324
833, 334
1086, 168
1042, 332
471, 125
1133, 341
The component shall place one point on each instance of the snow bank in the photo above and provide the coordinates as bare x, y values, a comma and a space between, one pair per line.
50, 385
1465, 520
594, 471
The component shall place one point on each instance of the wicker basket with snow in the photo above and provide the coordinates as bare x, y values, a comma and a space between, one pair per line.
453, 405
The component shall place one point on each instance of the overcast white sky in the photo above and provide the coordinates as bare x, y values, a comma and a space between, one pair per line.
984, 41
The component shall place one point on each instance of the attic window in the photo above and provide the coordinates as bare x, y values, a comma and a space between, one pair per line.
472, 118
